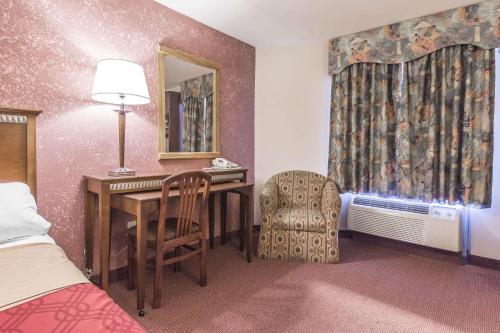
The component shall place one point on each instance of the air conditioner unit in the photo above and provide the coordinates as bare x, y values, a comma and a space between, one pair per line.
433, 225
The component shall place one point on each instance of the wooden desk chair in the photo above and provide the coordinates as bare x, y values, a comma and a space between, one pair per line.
178, 232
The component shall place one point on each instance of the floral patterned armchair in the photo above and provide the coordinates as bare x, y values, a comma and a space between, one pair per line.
300, 216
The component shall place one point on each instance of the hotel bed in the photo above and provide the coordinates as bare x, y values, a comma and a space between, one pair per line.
41, 290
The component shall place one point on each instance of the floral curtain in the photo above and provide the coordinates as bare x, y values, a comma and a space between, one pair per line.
420, 130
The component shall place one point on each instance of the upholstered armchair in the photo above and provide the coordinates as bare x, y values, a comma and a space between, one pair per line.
300, 216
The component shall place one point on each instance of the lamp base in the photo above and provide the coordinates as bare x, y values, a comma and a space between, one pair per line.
120, 172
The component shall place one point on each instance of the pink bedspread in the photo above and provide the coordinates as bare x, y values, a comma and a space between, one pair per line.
78, 308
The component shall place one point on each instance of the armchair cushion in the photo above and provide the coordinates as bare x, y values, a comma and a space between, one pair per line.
299, 219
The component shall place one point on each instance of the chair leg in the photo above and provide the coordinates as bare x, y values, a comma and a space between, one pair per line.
158, 281
131, 264
203, 262
177, 265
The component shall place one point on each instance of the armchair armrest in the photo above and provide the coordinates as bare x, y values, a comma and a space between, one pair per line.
331, 204
269, 200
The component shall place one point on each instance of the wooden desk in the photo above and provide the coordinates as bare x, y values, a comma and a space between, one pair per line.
101, 189
143, 204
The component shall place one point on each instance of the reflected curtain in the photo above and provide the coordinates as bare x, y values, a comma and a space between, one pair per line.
420, 130
197, 133
193, 108
197, 94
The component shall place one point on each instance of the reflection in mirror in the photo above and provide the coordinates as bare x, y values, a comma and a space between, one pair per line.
189, 106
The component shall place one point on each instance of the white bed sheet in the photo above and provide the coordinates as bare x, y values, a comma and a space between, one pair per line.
38, 239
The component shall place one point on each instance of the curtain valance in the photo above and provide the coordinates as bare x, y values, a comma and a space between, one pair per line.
477, 24
200, 86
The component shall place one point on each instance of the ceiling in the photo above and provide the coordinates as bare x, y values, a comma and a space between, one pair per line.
266, 23
178, 70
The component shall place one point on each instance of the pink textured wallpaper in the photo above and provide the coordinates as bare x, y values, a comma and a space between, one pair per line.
48, 53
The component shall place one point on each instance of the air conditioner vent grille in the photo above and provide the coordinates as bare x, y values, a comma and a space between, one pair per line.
379, 203
392, 205
362, 201
396, 227
419, 209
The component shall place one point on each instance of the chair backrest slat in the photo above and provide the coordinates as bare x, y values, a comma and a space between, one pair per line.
190, 185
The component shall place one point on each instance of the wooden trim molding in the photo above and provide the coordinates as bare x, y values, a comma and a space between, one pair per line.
423, 251
343, 233
414, 249
186, 155
484, 262
18, 111
18, 160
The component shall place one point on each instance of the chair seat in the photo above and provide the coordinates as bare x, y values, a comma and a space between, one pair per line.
170, 228
299, 219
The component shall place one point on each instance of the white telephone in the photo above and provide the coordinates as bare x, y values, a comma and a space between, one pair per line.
222, 163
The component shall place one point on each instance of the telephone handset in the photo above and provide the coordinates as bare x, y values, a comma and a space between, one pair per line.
222, 163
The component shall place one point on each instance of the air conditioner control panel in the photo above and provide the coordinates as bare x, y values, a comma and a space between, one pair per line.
447, 213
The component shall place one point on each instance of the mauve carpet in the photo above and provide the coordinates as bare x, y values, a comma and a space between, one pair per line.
373, 289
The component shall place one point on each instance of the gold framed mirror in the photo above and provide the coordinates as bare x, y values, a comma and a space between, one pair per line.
188, 106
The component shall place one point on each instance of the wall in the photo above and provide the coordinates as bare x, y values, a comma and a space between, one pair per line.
292, 105
292, 114
48, 55
485, 223
292, 90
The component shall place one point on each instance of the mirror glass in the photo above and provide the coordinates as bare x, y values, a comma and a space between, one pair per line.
189, 107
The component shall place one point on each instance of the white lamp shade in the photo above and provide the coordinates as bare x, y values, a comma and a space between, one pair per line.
120, 82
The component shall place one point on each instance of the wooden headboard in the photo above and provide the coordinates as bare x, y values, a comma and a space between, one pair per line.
18, 146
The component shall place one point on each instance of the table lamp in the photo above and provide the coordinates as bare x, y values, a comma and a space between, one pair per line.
120, 82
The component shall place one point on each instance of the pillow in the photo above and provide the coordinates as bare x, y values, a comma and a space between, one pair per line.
18, 213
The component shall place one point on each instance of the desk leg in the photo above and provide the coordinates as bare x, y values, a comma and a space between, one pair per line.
223, 217
142, 227
104, 219
249, 213
242, 222
89, 232
211, 219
